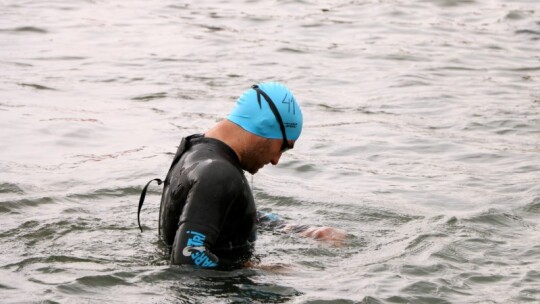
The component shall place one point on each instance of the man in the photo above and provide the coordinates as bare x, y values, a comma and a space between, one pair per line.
207, 214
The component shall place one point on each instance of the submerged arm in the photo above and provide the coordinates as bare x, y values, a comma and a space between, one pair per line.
330, 235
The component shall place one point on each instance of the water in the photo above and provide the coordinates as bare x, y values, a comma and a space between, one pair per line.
421, 139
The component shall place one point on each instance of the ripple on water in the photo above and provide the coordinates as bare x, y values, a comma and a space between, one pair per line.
519, 14
478, 278
61, 260
533, 207
532, 276
451, 3
37, 86
367, 300
494, 217
151, 96
2, 286
112, 192
94, 283
417, 300
31, 233
421, 287
10, 188
434, 270
25, 29
422, 241
238, 286
17, 206
535, 35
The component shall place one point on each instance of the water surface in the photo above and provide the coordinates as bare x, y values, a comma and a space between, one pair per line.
421, 139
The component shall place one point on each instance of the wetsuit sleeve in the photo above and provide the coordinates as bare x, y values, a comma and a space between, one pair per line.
210, 197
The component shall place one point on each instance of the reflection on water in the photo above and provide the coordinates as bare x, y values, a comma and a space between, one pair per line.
421, 140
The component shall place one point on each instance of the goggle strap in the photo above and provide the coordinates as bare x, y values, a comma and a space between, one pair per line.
273, 108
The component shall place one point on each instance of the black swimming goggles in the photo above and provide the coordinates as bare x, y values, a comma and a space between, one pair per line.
285, 146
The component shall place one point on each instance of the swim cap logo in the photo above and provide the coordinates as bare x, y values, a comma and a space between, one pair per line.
291, 102
290, 124
196, 250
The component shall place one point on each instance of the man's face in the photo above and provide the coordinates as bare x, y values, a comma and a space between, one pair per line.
263, 152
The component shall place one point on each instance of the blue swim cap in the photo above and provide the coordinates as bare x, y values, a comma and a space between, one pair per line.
260, 120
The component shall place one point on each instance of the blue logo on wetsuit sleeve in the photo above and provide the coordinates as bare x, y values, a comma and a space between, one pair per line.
195, 248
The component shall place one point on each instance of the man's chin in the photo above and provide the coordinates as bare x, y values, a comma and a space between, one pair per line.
253, 170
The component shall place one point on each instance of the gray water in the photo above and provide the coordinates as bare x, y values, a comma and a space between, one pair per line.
421, 140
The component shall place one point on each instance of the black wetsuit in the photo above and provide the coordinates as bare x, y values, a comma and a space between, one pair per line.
207, 211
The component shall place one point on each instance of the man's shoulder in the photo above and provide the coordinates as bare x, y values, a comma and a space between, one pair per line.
218, 176
219, 169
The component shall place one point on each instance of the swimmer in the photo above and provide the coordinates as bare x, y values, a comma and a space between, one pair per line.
208, 215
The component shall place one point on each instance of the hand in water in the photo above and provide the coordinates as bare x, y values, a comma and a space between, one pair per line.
330, 235
275, 268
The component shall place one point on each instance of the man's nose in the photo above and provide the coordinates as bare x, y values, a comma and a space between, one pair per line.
275, 160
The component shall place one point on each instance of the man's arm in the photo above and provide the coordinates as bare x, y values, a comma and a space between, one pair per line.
206, 208
326, 234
